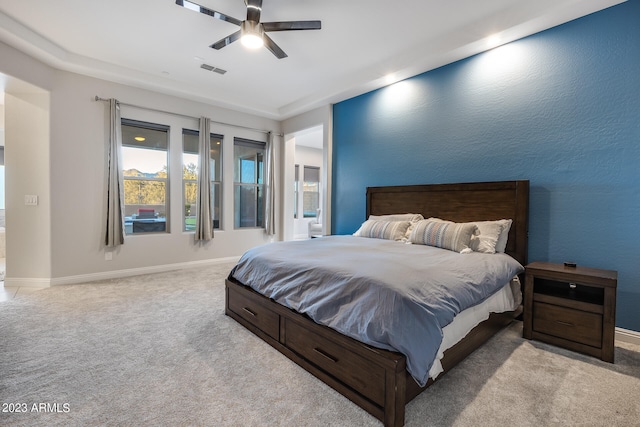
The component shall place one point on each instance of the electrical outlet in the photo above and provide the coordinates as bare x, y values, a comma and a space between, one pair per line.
108, 256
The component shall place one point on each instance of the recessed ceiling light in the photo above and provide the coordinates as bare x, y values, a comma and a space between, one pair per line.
494, 40
139, 138
390, 78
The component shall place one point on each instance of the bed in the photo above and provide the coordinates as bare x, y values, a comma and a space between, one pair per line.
375, 377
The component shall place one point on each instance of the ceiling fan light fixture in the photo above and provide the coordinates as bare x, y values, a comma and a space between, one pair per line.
251, 34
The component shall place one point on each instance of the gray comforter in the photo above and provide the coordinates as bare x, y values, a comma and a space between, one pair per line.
387, 294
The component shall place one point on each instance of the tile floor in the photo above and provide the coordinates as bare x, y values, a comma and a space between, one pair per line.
9, 293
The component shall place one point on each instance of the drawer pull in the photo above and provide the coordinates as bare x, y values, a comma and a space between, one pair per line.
325, 355
249, 311
565, 323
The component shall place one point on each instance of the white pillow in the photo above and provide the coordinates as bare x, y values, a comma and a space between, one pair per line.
501, 246
487, 239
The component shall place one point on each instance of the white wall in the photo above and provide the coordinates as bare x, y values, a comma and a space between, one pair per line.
70, 167
28, 239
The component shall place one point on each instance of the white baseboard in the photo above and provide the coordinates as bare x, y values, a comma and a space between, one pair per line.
105, 275
627, 335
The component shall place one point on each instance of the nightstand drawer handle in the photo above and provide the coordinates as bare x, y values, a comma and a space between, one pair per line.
249, 311
325, 355
565, 323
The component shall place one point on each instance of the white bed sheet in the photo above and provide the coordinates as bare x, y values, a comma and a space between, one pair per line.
506, 299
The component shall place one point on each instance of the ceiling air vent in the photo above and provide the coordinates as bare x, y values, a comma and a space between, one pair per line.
212, 68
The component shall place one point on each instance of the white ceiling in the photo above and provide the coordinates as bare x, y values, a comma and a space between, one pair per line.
363, 45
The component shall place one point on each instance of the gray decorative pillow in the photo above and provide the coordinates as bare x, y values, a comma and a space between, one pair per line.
389, 230
413, 218
491, 236
445, 235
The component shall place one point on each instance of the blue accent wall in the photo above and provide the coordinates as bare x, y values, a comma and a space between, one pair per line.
560, 108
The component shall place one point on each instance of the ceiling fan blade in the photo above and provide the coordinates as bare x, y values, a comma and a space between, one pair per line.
292, 25
196, 7
273, 47
254, 9
226, 41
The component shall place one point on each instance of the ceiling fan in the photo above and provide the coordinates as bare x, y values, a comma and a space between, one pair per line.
252, 32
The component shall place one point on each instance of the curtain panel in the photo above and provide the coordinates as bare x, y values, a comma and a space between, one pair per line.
204, 221
114, 234
269, 216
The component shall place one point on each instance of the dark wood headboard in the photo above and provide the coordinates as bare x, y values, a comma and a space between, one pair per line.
476, 201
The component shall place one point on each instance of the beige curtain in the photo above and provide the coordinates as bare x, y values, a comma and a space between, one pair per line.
269, 208
204, 221
114, 235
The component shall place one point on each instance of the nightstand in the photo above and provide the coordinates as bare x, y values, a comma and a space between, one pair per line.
571, 307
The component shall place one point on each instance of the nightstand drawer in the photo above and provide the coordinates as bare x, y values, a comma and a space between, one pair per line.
567, 323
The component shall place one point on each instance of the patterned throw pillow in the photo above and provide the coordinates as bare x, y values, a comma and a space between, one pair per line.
397, 217
390, 230
491, 236
445, 235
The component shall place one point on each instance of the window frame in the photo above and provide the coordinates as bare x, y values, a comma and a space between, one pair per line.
258, 183
313, 214
296, 189
214, 182
167, 180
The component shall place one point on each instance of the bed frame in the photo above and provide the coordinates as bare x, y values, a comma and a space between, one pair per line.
376, 379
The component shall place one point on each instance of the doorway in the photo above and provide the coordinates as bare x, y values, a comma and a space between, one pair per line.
306, 185
25, 131
5, 294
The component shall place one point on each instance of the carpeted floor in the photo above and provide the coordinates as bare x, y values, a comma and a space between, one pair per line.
158, 350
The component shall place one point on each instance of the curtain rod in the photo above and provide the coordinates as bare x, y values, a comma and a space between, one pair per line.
97, 98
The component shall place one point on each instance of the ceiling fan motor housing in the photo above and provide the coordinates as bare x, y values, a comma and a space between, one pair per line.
251, 28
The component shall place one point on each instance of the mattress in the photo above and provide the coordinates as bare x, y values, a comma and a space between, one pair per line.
506, 299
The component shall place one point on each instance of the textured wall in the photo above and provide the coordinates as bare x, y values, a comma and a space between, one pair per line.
560, 108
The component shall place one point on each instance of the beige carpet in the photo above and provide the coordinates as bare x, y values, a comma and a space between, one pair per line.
158, 350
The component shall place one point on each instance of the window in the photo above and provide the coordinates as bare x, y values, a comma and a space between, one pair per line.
248, 183
311, 191
144, 161
190, 177
296, 188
